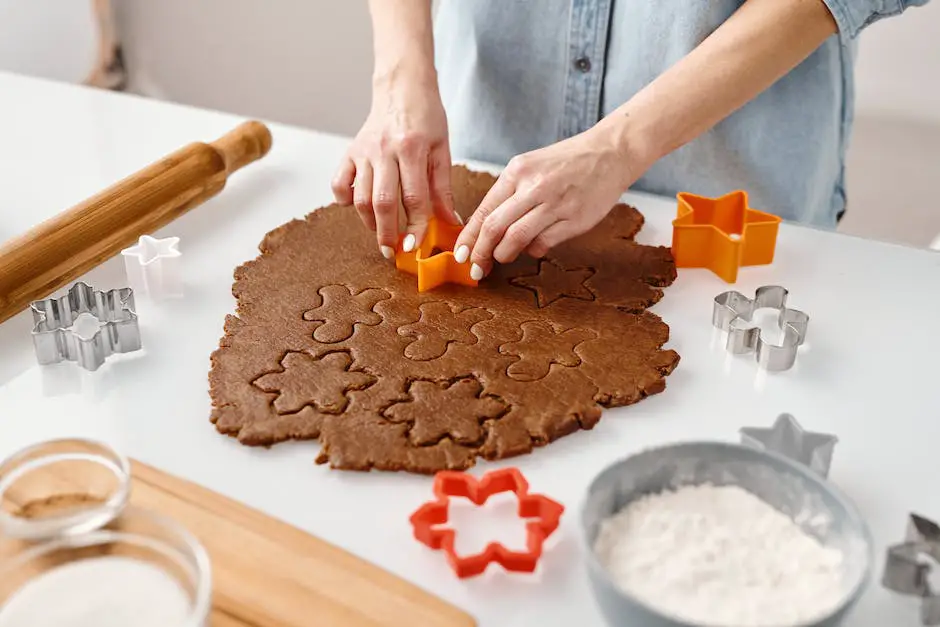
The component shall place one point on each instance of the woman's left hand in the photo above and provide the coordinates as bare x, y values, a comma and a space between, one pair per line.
545, 197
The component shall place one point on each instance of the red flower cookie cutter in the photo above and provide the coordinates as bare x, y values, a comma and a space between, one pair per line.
545, 512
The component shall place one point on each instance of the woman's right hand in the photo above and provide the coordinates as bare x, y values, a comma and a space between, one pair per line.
401, 153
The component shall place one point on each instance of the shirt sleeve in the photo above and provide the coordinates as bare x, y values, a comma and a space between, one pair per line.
853, 16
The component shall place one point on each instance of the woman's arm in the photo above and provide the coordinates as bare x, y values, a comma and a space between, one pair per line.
401, 153
403, 40
755, 47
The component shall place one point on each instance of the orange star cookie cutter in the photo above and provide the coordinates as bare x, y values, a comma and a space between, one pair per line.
722, 234
545, 512
433, 261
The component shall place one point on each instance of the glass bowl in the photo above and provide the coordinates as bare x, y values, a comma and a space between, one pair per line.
816, 505
74, 554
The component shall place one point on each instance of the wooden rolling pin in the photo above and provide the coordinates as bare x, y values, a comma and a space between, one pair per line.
63, 248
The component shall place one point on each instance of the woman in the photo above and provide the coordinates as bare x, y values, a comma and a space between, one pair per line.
109, 71
584, 99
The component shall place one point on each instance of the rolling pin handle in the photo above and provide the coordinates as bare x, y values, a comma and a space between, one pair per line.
244, 144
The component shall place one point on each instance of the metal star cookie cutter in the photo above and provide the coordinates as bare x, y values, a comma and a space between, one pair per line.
153, 267
907, 573
59, 332
790, 439
731, 307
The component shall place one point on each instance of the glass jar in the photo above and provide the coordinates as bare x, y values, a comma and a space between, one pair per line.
73, 553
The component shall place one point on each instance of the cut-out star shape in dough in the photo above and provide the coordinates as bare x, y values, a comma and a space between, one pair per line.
788, 438
553, 282
540, 347
323, 383
439, 409
149, 249
341, 311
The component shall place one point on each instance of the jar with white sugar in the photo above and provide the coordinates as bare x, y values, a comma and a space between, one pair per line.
73, 553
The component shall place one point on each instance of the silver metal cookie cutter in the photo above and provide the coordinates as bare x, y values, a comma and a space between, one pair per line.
907, 572
110, 316
730, 307
790, 439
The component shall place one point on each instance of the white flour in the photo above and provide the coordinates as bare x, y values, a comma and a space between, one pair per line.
99, 592
720, 556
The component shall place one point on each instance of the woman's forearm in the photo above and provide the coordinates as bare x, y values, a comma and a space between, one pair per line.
402, 34
755, 47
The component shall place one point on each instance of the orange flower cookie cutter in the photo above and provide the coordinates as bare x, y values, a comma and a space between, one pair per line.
722, 234
544, 512
433, 261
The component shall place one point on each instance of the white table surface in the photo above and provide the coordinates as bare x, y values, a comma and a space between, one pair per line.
867, 372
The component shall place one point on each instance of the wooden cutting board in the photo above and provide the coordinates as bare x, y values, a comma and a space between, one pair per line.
267, 573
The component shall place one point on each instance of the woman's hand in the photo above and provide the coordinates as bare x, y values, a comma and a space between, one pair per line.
545, 197
400, 154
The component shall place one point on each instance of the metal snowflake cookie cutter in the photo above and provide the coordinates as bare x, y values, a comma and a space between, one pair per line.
85, 326
732, 306
153, 267
790, 439
908, 572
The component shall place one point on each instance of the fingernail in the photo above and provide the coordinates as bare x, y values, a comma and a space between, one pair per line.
462, 253
459, 219
387, 251
409, 244
476, 272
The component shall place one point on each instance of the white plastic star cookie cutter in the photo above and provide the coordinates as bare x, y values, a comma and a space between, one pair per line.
788, 438
153, 267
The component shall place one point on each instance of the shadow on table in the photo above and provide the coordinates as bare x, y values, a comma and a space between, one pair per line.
559, 567
65, 378
16, 346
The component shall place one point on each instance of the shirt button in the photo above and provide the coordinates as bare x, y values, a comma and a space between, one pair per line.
583, 64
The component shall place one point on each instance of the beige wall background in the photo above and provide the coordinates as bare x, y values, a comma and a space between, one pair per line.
49, 38
308, 62
894, 159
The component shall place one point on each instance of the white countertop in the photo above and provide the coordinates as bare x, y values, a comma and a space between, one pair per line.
867, 372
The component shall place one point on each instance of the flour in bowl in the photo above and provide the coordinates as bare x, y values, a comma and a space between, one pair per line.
718, 555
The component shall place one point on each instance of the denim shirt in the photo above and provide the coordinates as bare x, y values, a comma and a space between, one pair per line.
517, 75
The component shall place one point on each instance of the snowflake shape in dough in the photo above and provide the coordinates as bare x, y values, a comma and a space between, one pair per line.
323, 383
439, 409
